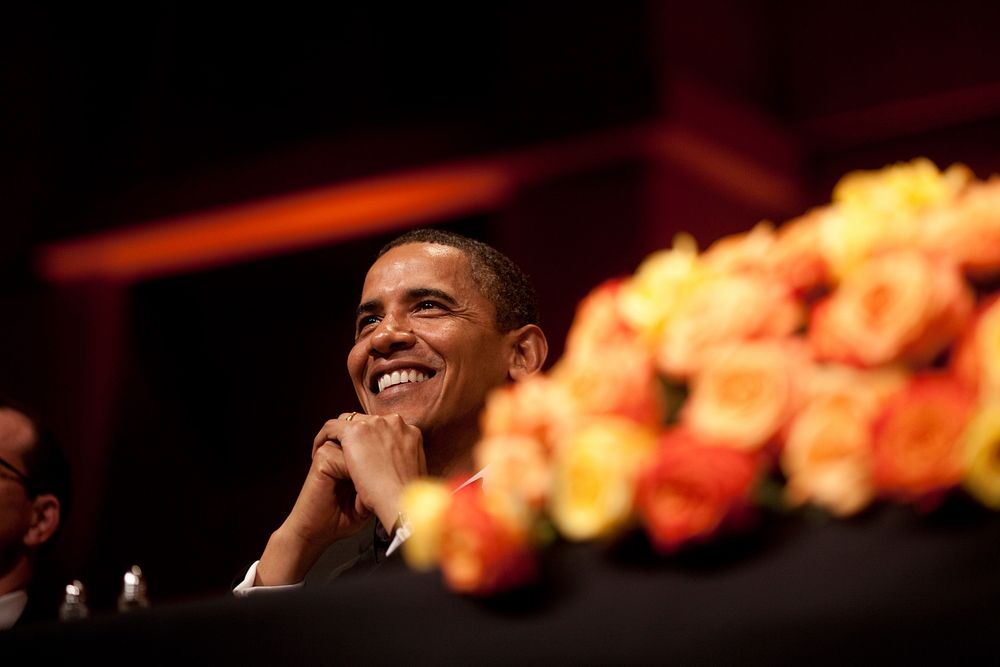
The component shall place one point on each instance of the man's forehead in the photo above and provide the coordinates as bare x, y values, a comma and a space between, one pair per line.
419, 265
16, 432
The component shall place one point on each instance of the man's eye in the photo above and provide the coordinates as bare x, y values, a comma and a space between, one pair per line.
428, 305
367, 321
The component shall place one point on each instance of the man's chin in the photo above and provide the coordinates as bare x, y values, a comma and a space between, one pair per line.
412, 417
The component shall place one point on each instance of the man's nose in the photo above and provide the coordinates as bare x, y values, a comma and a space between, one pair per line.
392, 334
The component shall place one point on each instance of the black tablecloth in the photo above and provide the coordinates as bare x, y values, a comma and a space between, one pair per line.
889, 586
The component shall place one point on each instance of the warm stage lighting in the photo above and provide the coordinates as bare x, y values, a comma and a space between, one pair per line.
274, 226
423, 196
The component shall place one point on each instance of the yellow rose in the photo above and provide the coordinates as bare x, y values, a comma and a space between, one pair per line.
877, 210
424, 502
660, 284
981, 454
594, 477
744, 394
727, 309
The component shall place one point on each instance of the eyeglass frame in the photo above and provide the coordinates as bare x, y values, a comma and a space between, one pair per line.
18, 475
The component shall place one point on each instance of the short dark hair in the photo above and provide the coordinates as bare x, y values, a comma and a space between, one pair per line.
500, 280
44, 461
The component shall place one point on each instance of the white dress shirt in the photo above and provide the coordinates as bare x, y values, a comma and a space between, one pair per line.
11, 606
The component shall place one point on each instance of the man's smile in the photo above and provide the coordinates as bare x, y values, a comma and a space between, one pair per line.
397, 377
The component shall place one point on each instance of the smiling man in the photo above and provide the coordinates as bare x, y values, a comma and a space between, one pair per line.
443, 319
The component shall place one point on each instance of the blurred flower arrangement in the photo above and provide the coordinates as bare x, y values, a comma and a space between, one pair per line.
853, 355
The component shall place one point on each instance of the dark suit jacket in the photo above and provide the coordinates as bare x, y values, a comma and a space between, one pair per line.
43, 606
360, 554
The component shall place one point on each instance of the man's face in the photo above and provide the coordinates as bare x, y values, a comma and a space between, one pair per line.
16, 434
426, 344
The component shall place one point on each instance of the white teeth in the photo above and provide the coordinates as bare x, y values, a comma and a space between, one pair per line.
400, 377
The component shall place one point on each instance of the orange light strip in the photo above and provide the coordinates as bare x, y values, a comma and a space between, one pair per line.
726, 170
910, 116
294, 222
274, 226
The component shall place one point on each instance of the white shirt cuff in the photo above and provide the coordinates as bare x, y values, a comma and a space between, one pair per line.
402, 534
246, 587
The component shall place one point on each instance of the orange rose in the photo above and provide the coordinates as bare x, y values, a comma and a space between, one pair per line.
690, 488
536, 408
797, 259
660, 284
728, 309
917, 437
617, 380
968, 232
876, 211
745, 393
790, 256
868, 388
599, 321
827, 455
827, 448
898, 306
607, 369
519, 466
749, 252
976, 358
485, 543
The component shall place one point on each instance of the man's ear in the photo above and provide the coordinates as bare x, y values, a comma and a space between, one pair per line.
44, 520
528, 352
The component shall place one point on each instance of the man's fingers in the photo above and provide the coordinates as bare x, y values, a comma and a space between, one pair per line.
333, 429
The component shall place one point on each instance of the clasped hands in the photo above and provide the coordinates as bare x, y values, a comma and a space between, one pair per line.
360, 465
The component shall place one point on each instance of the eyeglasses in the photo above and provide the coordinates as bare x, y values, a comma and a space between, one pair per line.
18, 475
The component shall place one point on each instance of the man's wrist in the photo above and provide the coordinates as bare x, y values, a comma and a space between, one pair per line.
401, 527
388, 512
286, 558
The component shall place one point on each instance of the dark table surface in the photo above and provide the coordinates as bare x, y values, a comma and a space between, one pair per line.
890, 586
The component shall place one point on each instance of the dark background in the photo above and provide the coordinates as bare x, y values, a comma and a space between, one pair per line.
187, 400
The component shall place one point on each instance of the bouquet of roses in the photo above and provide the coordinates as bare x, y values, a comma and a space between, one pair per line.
853, 354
